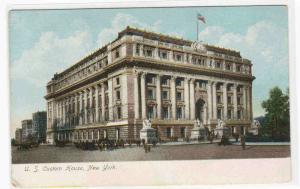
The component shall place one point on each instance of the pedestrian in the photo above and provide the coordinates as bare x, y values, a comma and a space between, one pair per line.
243, 142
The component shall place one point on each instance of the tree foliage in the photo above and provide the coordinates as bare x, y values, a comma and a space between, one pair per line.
277, 123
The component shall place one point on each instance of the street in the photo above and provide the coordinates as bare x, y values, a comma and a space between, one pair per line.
52, 154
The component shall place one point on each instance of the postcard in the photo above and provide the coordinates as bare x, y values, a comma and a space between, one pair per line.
149, 95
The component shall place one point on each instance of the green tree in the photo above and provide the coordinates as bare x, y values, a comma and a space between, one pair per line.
277, 116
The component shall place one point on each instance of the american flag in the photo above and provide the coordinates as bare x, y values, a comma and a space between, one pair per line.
200, 17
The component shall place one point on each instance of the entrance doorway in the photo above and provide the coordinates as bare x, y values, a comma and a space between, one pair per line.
199, 109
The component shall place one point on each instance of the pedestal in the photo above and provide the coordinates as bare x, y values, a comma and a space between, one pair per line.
225, 131
198, 133
148, 134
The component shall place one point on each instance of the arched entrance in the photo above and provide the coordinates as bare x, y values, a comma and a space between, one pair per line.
199, 109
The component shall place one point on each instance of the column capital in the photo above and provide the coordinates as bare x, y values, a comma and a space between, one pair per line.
143, 74
234, 85
173, 77
192, 80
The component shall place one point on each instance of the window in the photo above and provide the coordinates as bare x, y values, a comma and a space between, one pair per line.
165, 95
163, 54
150, 94
182, 132
238, 68
164, 81
179, 96
119, 113
118, 81
239, 102
178, 83
218, 87
150, 112
229, 116
165, 113
118, 95
239, 89
219, 99
179, 113
150, 80
137, 49
218, 65
169, 132
149, 52
219, 114
178, 57
229, 100
228, 67
117, 54
239, 114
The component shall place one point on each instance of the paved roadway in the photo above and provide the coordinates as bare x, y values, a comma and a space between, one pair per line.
52, 154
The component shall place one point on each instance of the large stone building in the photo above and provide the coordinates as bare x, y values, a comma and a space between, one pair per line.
144, 75
39, 124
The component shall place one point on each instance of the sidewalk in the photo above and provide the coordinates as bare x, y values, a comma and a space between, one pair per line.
264, 143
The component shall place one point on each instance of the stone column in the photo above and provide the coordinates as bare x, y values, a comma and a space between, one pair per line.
80, 108
85, 106
225, 100
170, 55
158, 96
186, 99
97, 102
63, 112
235, 101
214, 100
192, 99
91, 105
134, 49
156, 53
205, 114
124, 95
136, 96
173, 96
103, 101
249, 101
141, 50
110, 99
245, 109
209, 96
75, 107
143, 93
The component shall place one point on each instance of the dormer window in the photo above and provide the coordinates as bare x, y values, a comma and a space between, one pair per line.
117, 54
228, 67
218, 65
238, 68
149, 52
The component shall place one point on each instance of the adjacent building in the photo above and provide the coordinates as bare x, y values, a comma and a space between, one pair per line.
18, 135
39, 124
144, 75
27, 130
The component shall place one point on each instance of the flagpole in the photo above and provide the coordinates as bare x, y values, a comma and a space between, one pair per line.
197, 28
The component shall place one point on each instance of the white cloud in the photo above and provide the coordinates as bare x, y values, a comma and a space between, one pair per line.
119, 22
260, 43
50, 54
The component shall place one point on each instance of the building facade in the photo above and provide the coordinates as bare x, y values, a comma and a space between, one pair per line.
18, 135
39, 124
144, 75
27, 129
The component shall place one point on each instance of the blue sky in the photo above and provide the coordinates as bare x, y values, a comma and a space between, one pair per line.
43, 42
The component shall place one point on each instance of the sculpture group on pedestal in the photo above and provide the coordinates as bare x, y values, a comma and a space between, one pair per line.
148, 133
199, 131
221, 129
